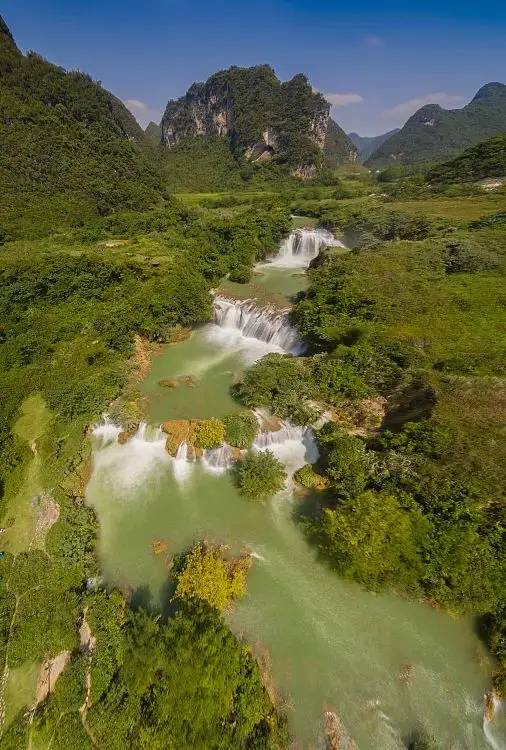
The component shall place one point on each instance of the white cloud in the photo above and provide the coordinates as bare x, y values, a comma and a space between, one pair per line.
142, 112
372, 41
406, 109
135, 106
343, 100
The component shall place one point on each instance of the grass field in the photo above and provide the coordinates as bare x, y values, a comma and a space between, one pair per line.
467, 208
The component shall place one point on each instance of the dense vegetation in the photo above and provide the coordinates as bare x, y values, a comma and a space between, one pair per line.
259, 475
434, 134
487, 159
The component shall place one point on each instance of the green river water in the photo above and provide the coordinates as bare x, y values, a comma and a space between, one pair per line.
331, 645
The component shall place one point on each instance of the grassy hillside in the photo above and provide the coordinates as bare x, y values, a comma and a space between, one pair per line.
433, 133
69, 149
487, 159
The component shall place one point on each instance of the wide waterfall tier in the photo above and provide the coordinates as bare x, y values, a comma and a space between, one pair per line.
262, 324
302, 246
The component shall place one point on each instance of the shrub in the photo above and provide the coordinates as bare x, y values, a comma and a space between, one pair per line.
308, 477
241, 275
210, 434
209, 576
467, 257
241, 429
259, 475
344, 458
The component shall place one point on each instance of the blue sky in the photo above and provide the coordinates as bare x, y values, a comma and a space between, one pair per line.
377, 61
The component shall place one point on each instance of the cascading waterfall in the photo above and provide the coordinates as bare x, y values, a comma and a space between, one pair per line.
302, 246
264, 325
218, 460
106, 431
294, 446
182, 464
130, 464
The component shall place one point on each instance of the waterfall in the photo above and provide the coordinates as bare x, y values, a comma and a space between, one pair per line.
106, 431
182, 465
264, 325
302, 246
131, 464
292, 445
217, 460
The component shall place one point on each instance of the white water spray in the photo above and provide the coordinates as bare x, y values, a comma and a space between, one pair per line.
302, 246
182, 465
130, 464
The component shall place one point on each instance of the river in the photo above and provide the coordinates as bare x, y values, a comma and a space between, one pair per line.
382, 663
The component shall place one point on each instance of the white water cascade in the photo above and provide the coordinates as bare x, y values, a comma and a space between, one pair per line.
302, 246
244, 319
106, 431
218, 460
130, 464
182, 464
292, 445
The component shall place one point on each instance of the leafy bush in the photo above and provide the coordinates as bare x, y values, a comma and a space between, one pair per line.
207, 575
210, 433
308, 477
241, 274
259, 475
465, 256
241, 429
344, 459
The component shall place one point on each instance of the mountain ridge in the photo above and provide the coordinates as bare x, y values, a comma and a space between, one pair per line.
435, 134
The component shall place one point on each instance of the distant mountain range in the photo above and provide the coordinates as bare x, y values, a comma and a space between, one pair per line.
367, 145
435, 134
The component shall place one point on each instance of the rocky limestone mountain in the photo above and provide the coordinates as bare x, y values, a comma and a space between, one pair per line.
435, 134
263, 119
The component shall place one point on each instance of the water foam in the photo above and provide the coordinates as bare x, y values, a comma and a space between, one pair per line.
130, 464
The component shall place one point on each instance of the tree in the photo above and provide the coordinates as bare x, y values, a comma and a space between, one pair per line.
241, 429
210, 434
373, 540
259, 475
207, 575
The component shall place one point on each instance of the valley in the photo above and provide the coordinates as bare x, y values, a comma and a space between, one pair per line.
252, 399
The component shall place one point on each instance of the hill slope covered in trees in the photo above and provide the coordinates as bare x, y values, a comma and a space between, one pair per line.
487, 159
69, 148
433, 133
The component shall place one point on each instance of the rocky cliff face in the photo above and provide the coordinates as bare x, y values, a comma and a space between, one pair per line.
262, 118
